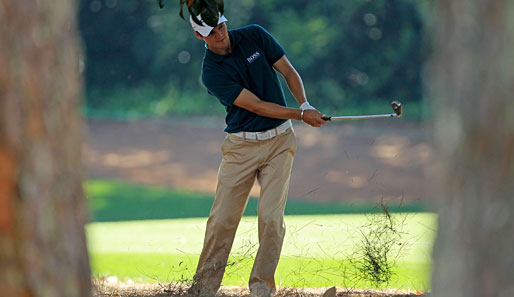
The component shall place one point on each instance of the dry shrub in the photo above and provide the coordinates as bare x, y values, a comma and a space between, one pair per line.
380, 245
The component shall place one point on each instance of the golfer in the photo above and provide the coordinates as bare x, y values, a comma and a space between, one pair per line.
239, 69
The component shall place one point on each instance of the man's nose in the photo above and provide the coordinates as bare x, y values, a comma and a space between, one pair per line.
218, 33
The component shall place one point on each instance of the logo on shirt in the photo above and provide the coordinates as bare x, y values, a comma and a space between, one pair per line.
253, 57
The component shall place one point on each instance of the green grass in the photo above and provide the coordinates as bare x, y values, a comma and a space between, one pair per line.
121, 102
291, 272
149, 234
315, 251
112, 200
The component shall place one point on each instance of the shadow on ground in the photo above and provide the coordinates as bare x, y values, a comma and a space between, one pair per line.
112, 200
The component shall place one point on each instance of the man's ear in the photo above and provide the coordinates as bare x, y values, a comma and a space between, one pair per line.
198, 35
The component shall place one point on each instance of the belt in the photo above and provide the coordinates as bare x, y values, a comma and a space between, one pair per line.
265, 135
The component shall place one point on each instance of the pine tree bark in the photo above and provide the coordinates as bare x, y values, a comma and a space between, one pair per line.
42, 212
471, 82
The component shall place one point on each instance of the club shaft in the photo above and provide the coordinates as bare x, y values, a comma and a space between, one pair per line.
375, 116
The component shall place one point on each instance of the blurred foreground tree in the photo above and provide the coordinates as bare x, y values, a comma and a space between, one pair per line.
42, 212
472, 82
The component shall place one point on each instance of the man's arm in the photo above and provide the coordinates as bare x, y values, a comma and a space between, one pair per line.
251, 102
293, 79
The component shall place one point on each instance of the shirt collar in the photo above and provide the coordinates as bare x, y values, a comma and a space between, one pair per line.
234, 40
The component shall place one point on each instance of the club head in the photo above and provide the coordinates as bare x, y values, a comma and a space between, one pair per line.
397, 107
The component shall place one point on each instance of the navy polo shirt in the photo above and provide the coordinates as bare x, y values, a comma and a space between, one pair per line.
250, 66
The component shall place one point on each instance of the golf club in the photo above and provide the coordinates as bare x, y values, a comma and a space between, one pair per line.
397, 108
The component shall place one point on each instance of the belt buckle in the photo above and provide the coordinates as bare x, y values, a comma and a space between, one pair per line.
262, 135
268, 134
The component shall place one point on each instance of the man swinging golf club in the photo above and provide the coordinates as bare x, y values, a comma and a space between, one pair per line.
239, 69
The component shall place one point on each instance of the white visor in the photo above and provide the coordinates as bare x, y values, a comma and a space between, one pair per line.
205, 30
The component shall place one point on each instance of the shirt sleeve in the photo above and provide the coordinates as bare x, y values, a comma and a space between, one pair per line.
221, 85
272, 49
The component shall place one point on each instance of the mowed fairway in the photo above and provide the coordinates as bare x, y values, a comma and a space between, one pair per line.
315, 254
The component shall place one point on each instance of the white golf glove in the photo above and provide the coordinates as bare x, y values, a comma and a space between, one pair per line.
306, 105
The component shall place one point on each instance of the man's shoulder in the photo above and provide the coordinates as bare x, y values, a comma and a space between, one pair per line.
248, 29
210, 65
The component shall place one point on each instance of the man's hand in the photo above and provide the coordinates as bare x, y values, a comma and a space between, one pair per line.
313, 117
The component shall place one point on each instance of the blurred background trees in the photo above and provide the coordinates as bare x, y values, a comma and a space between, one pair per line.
352, 55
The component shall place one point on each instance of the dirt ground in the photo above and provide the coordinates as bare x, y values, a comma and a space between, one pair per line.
103, 289
359, 161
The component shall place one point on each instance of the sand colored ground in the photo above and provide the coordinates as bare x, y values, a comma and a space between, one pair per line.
359, 161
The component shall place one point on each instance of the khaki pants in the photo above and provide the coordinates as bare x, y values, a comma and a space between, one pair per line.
244, 160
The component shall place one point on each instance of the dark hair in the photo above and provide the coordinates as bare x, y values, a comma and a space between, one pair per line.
209, 10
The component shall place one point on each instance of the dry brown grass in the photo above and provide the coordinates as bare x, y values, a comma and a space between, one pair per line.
120, 289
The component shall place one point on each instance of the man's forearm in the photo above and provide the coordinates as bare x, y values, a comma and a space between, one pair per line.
273, 110
268, 109
251, 102
293, 79
295, 85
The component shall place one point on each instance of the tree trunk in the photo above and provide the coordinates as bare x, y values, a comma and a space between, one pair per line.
471, 79
42, 212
